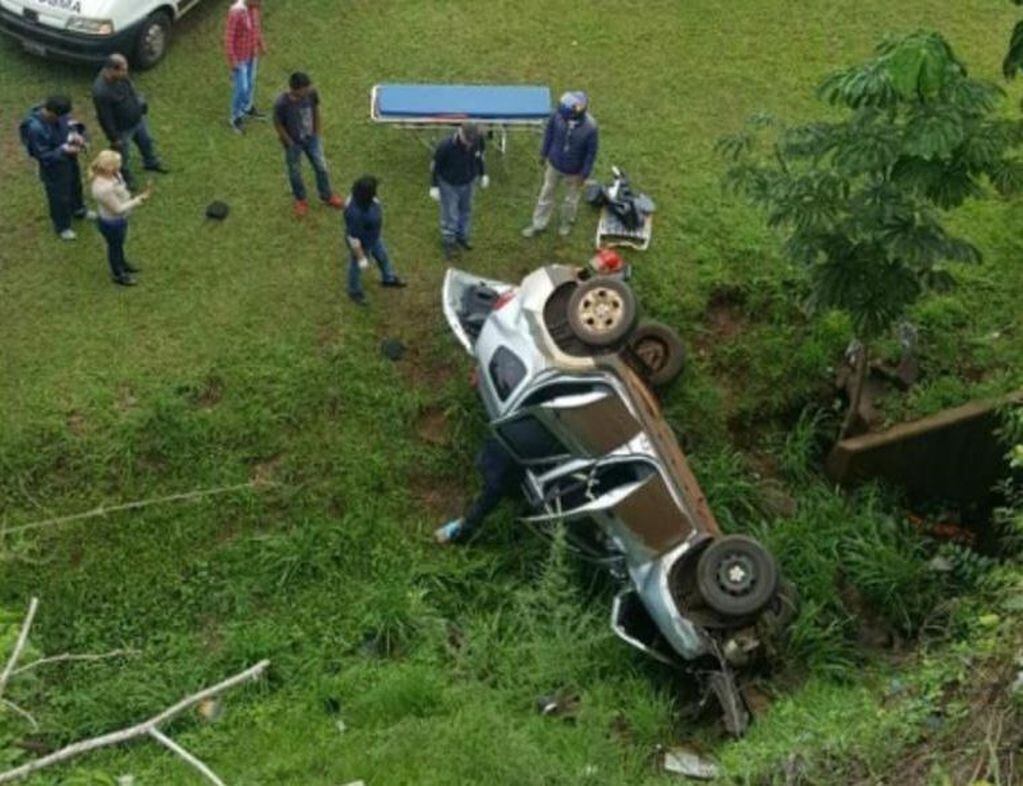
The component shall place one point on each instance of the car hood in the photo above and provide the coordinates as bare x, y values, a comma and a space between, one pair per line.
64, 9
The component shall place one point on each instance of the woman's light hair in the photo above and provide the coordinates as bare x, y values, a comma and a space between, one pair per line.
106, 164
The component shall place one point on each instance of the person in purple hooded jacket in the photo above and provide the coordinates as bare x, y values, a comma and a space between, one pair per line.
569, 150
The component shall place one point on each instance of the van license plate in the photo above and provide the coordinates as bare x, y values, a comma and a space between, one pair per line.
34, 48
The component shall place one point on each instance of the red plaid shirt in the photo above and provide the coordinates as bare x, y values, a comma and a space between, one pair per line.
243, 38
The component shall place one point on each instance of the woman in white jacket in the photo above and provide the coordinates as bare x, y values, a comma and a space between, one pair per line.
115, 203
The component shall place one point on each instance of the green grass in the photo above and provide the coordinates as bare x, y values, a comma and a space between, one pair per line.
240, 357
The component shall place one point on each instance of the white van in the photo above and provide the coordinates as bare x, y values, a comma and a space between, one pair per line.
89, 30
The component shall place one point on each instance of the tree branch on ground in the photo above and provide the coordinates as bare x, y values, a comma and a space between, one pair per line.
19, 645
72, 657
104, 510
146, 728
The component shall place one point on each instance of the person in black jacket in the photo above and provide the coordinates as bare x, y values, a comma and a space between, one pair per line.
457, 165
502, 476
122, 115
54, 139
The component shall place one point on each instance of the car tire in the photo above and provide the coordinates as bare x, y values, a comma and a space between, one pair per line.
736, 576
602, 311
659, 352
152, 41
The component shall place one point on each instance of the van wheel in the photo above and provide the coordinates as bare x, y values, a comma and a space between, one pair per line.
659, 352
602, 311
153, 40
736, 576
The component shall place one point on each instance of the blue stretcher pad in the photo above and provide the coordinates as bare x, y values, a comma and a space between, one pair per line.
447, 104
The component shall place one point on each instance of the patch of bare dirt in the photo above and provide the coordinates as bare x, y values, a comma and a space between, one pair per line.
210, 393
985, 747
725, 317
442, 497
264, 473
124, 399
432, 427
76, 423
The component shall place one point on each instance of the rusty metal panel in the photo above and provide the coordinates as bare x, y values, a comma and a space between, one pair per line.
599, 427
653, 517
953, 456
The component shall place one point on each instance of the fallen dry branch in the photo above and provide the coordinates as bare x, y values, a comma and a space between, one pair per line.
146, 728
73, 657
177, 750
104, 510
22, 712
19, 645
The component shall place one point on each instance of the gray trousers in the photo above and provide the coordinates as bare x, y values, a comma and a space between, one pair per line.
545, 202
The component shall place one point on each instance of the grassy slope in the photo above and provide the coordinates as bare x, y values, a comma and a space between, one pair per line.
240, 357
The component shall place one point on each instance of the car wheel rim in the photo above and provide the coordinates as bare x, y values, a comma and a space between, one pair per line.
601, 310
736, 575
154, 42
653, 353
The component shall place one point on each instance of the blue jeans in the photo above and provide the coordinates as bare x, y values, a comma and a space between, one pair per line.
147, 147
313, 149
63, 184
114, 231
455, 210
243, 95
379, 253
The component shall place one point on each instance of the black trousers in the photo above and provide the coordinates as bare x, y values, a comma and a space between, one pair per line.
114, 232
63, 184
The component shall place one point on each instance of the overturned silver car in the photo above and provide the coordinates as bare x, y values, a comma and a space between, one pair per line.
566, 371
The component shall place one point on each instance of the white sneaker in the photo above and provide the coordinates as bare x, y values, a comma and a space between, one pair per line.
68, 234
564, 230
531, 231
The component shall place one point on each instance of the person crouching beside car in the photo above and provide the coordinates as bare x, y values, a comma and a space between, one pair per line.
54, 139
115, 204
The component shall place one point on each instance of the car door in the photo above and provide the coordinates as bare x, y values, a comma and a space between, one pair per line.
629, 499
468, 300
581, 418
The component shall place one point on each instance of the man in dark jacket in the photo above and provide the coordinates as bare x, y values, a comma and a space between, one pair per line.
569, 149
54, 139
502, 476
457, 165
122, 115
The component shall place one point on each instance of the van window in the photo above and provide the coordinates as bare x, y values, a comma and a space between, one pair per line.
530, 440
506, 371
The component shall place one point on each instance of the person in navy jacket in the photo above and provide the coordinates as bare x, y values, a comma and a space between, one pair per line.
54, 139
569, 149
364, 222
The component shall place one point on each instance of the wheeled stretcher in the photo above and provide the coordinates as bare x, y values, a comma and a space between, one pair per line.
499, 108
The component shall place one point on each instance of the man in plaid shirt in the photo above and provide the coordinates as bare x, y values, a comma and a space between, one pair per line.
243, 43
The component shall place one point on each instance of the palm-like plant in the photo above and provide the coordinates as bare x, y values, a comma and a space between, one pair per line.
859, 198
1013, 61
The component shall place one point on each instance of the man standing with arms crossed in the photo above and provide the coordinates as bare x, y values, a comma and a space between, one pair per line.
569, 150
122, 114
243, 44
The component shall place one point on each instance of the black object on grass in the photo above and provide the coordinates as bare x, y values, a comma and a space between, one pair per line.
217, 210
